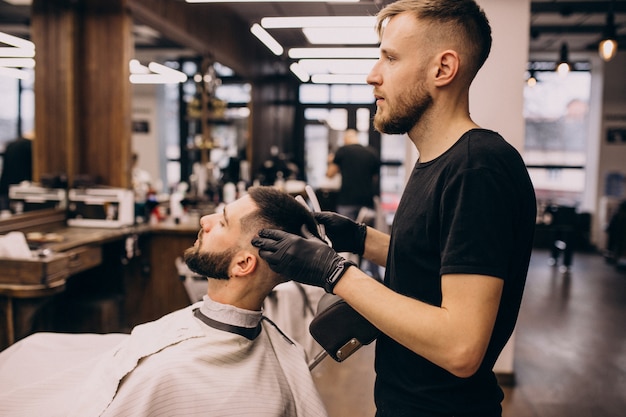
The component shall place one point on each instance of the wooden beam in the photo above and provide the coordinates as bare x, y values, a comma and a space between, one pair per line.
82, 89
56, 125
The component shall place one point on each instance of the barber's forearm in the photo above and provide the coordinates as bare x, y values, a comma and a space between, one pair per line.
454, 336
376, 246
416, 325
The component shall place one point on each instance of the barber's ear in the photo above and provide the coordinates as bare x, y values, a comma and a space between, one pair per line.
448, 62
245, 263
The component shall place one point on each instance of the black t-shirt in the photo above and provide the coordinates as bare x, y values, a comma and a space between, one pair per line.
358, 165
470, 211
17, 164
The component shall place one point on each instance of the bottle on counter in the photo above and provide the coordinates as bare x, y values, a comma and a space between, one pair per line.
229, 193
177, 211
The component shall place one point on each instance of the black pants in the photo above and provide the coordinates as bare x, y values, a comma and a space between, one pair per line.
563, 241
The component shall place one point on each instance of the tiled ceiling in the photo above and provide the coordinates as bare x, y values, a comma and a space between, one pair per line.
577, 22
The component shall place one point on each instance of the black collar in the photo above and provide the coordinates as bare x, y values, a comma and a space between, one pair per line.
249, 333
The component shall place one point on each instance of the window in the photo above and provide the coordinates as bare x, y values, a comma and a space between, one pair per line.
556, 112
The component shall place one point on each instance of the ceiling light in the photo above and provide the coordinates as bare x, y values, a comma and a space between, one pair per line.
17, 62
298, 53
154, 73
318, 21
15, 41
563, 66
14, 73
337, 66
302, 74
344, 36
267, 39
608, 45
17, 52
338, 79
532, 79
151, 79
20, 48
136, 67
607, 49
167, 72
342, 71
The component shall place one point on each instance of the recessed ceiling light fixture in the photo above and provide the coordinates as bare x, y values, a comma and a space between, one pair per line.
19, 48
337, 66
18, 55
14, 73
318, 21
341, 36
299, 72
17, 62
154, 73
299, 53
338, 79
267, 39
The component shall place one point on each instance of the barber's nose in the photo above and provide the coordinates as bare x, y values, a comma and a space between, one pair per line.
373, 77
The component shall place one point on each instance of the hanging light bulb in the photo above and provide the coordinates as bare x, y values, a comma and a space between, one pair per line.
563, 67
608, 45
532, 79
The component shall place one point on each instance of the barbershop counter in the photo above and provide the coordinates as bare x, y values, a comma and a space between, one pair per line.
91, 279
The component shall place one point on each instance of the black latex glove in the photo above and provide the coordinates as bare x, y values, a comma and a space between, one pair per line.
308, 259
346, 234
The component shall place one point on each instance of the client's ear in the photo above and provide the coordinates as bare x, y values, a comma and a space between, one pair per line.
245, 263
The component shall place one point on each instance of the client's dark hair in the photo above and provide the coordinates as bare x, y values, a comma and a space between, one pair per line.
278, 210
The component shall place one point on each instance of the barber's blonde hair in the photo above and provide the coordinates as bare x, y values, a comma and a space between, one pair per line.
463, 19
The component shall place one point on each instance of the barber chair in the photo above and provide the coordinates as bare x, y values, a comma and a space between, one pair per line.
339, 329
195, 285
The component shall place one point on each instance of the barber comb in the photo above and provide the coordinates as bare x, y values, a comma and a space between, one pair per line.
314, 207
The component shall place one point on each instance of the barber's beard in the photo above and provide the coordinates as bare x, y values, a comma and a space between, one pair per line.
408, 111
210, 264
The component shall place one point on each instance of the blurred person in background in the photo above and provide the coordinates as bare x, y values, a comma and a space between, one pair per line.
359, 167
17, 165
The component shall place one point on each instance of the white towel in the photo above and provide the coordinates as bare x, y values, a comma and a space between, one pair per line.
14, 245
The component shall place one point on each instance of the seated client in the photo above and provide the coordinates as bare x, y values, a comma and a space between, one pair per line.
217, 357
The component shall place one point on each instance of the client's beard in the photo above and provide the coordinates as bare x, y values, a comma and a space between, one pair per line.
209, 264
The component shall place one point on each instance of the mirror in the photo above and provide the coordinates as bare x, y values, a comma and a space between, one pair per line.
17, 118
163, 149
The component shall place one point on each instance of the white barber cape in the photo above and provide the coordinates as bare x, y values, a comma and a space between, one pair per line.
208, 359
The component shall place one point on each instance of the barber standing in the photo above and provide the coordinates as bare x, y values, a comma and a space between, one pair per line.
457, 257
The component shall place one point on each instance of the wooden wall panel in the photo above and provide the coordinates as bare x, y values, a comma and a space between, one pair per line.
82, 89
54, 34
273, 114
105, 98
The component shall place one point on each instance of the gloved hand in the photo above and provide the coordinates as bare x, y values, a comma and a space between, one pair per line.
346, 234
308, 259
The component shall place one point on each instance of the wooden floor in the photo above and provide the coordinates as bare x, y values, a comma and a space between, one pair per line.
570, 348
